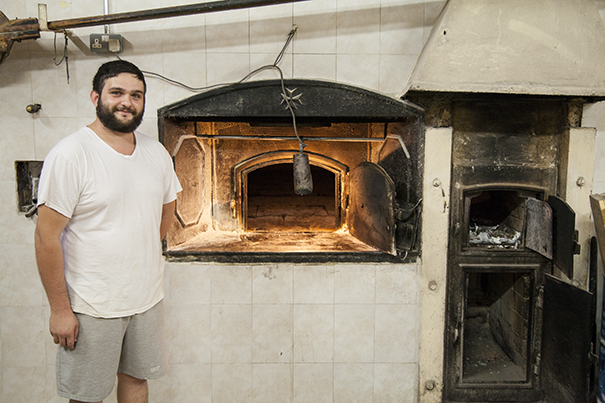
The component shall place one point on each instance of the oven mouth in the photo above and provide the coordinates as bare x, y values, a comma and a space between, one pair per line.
270, 206
265, 215
267, 201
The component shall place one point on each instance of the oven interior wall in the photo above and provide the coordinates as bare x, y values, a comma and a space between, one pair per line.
231, 151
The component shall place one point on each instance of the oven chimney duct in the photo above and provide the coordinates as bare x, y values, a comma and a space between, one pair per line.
539, 47
303, 182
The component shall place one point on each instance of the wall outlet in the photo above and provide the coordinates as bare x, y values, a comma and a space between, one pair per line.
106, 43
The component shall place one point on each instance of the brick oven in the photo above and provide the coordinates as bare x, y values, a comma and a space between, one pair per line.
234, 149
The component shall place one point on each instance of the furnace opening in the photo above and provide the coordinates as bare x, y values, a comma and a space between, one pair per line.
272, 204
496, 218
496, 327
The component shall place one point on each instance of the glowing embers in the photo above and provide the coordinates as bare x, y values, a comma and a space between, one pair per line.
279, 242
496, 327
273, 205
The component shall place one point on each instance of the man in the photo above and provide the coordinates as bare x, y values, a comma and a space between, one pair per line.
106, 199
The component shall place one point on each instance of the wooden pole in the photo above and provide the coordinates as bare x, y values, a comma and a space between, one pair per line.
29, 28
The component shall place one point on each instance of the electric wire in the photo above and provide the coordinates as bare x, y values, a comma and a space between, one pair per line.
65, 57
247, 77
285, 97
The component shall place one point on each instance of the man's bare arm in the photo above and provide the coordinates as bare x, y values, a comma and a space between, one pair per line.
167, 217
63, 323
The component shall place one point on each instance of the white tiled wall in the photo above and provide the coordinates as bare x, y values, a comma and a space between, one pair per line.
281, 332
261, 333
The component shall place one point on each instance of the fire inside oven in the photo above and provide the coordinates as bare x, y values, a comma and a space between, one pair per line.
234, 151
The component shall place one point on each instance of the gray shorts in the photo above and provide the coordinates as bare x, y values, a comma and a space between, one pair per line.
134, 345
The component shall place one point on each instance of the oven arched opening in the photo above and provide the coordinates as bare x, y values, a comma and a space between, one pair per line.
265, 201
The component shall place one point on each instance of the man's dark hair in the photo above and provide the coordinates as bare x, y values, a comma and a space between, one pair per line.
112, 69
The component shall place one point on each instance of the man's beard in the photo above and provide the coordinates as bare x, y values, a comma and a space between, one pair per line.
107, 117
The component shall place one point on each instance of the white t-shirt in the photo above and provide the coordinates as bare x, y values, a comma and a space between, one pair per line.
111, 244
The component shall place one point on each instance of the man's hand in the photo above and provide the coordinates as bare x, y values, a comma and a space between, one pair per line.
167, 217
64, 327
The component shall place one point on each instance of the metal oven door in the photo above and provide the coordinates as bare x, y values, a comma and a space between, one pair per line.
565, 367
371, 215
551, 231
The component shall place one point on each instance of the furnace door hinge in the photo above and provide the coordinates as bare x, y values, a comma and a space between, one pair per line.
540, 297
457, 229
576, 247
592, 357
537, 365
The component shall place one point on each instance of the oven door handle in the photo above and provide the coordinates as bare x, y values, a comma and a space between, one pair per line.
456, 333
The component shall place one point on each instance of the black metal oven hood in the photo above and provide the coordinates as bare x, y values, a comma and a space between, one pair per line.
319, 101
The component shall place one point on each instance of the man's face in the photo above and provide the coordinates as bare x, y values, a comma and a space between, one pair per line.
121, 104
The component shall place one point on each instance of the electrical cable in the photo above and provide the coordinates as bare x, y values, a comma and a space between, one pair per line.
251, 74
285, 97
65, 57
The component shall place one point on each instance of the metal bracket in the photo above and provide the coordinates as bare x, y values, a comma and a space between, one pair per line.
43, 17
576, 246
592, 357
537, 365
540, 298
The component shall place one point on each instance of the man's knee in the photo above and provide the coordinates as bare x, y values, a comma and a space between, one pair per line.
122, 377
